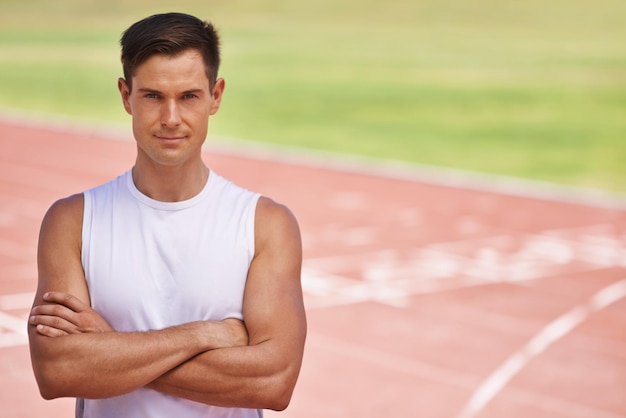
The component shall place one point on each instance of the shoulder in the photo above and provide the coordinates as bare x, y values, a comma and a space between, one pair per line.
275, 224
273, 214
67, 207
65, 214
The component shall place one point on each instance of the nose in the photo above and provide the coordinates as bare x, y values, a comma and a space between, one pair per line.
170, 114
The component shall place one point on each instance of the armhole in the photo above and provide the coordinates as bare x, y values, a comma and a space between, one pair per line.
250, 227
86, 231
79, 408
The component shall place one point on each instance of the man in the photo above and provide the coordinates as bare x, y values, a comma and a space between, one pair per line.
169, 291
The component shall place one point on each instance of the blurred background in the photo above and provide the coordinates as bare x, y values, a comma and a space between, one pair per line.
530, 89
533, 89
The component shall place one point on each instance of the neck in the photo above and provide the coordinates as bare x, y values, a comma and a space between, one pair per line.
170, 183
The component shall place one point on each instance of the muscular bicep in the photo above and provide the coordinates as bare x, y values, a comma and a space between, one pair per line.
59, 269
59, 251
273, 305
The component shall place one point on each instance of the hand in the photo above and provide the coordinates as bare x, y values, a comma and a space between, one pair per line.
226, 333
236, 333
64, 315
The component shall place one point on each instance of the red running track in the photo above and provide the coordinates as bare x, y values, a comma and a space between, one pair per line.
423, 300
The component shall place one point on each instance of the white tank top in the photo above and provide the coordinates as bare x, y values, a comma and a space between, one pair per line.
151, 265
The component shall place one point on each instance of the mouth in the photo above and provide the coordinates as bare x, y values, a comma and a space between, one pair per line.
170, 138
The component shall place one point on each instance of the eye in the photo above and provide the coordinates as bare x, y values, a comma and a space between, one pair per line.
150, 96
190, 96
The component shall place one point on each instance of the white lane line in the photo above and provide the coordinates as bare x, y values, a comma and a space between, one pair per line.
13, 324
547, 336
428, 372
16, 327
12, 340
328, 290
17, 334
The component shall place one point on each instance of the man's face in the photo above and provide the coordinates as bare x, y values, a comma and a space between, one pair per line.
170, 103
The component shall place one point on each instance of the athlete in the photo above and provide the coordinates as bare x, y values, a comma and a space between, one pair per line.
169, 291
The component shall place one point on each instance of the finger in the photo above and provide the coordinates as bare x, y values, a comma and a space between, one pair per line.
86, 321
54, 322
49, 331
66, 299
57, 311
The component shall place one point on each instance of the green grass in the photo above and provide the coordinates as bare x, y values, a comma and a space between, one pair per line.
535, 89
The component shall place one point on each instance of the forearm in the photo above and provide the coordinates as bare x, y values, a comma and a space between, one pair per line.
245, 377
99, 365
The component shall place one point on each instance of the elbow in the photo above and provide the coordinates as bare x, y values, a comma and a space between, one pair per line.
279, 396
282, 404
278, 402
48, 394
51, 380
46, 374
48, 387
281, 386
278, 406
47, 390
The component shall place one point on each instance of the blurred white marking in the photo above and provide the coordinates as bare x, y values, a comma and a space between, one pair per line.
11, 340
547, 336
16, 301
336, 290
13, 324
349, 201
355, 237
467, 225
17, 328
409, 217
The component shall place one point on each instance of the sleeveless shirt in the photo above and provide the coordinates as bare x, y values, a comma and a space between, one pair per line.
151, 265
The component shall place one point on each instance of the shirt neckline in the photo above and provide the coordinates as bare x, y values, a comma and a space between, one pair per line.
157, 204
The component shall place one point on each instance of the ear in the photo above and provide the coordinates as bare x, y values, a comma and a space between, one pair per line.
122, 86
217, 93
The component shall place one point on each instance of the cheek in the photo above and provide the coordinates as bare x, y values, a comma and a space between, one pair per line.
139, 126
144, 115
143, 127
197, 116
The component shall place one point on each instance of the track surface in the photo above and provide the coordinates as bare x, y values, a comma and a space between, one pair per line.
423, 300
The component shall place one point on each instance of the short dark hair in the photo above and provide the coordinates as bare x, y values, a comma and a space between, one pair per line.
170, 34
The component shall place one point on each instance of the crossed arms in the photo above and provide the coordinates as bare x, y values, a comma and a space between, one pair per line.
76, 353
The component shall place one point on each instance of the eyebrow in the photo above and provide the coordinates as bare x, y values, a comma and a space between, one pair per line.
153, 91
145, 90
